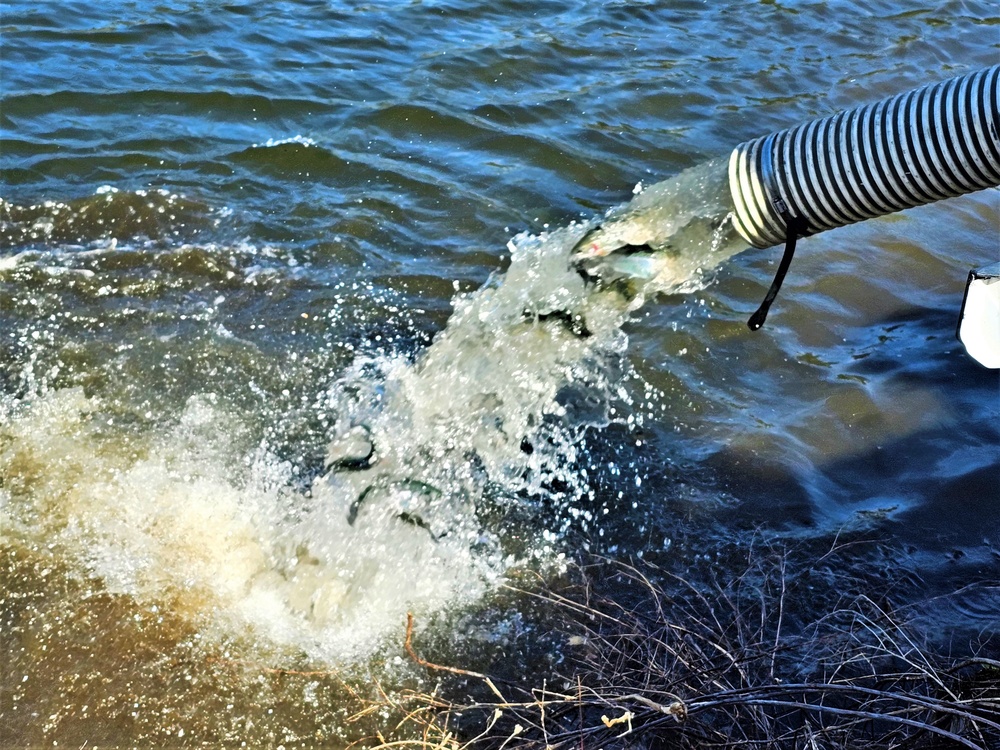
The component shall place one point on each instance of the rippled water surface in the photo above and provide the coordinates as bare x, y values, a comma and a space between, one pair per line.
233, 232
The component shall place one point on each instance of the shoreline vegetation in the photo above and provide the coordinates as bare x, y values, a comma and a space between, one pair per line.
657, 660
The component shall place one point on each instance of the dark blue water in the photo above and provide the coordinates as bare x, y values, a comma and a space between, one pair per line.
228, 229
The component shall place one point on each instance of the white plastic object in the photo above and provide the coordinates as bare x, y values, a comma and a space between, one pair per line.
979, 321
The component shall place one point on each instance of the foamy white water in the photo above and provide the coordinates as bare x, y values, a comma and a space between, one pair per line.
178, 518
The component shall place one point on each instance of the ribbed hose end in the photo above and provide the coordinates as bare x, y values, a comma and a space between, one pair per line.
755, 213
936, 142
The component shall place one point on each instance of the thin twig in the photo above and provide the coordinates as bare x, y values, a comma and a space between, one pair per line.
408, 645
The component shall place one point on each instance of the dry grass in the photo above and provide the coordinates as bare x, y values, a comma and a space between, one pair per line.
671, 662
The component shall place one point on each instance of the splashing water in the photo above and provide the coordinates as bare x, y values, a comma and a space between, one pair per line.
469, 411
492, 412
670, 236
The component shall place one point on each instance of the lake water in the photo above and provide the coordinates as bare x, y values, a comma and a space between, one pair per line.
233, 231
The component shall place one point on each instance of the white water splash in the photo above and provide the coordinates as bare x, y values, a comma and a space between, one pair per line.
671, 235
178, 518
490, 413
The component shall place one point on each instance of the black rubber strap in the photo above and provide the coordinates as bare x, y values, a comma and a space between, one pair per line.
795, 227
